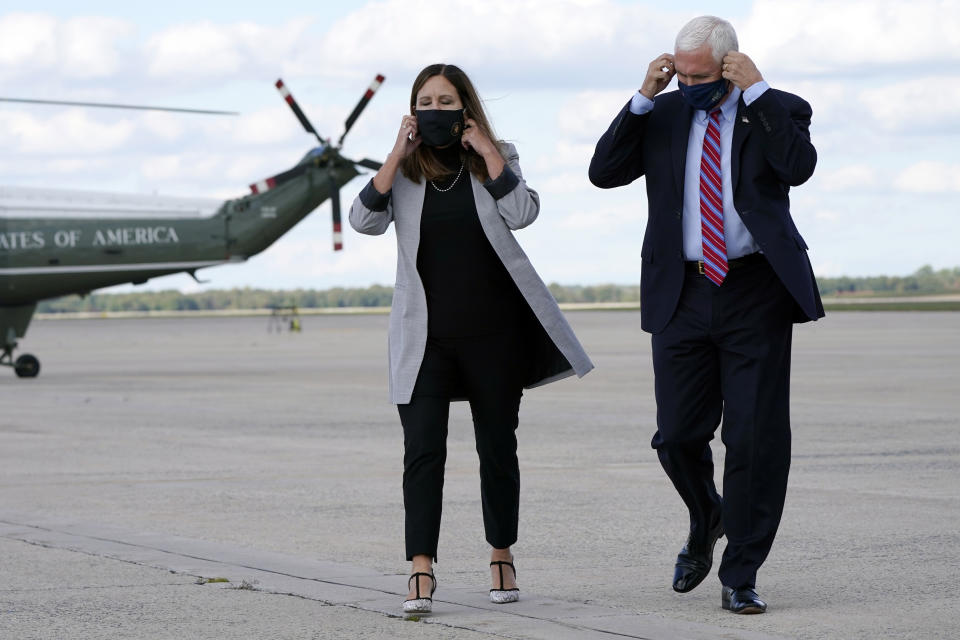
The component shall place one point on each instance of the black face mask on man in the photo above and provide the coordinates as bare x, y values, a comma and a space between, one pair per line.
704, 96
440, 127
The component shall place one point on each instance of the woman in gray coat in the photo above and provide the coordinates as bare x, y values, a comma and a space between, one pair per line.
470, 318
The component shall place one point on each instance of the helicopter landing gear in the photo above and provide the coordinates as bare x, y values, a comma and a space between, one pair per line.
26, 366
14, 321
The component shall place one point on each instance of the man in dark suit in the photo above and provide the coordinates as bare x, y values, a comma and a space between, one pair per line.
724, 276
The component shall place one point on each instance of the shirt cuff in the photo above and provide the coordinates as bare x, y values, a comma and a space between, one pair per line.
373, 199
640, 104
754, 91
503, 184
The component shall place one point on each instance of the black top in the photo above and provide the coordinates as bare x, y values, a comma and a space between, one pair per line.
469, 291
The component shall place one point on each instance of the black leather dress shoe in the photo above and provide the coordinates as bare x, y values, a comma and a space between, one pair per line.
695, 560
743, 600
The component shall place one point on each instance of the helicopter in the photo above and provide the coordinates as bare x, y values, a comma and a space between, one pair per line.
56, 242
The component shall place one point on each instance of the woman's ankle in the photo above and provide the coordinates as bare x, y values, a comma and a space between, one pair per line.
501, 555
421, 564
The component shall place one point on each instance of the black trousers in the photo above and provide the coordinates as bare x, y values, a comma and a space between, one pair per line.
486, 370
726, 353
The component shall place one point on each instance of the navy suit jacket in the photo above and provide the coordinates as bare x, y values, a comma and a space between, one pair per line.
771, 152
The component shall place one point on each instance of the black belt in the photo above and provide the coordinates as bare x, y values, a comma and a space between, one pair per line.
696, 266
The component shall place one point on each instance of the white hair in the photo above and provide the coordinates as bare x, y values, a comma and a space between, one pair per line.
716, 32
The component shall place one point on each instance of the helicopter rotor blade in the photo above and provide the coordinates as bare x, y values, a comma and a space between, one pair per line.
269, 183
369, 164
377, 81
106, 105
335, 204
282, 88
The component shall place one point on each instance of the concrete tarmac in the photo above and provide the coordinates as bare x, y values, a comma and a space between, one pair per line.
152, 456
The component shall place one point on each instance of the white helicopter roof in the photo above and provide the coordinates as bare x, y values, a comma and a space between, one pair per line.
37, 202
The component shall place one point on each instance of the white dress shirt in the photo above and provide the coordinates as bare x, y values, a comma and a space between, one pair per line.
738, 240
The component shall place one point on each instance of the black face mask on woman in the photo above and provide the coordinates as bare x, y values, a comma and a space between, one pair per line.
440, 127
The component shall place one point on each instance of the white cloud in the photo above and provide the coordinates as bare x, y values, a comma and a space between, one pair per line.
76, 165
28, 39
565, 154
204, 49
829, 268
589, 113
244, 169
79, 48
567, 182
834, 103
161, 167
537, 42
197, 171
194, 49
850, 178
165, 126
265, 126
306, 256
606, 220
70, 130
88, 46
277, 124
894, 107
929, 177
825, 36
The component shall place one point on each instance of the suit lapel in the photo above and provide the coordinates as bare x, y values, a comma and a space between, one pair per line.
741, 129
408, 198
679, 138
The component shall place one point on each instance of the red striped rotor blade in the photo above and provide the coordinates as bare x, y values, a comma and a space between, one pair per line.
335, 205
280, 178
297, 111
372, 89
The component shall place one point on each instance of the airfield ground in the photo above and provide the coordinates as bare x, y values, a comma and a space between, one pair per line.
152, 456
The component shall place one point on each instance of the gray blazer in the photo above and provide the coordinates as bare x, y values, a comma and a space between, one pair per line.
504, 204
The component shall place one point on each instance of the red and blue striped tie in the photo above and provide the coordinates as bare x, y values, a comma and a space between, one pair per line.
711, 204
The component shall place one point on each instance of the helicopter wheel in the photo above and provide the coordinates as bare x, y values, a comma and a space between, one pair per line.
27, 366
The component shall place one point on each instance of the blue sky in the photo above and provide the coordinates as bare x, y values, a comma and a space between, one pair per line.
881, 77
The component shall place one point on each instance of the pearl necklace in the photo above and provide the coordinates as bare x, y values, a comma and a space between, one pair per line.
452, 183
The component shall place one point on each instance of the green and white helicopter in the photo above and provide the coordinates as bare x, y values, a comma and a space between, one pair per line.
59, 242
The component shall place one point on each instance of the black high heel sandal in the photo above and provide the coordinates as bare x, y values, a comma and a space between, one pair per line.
503, 596
421, 604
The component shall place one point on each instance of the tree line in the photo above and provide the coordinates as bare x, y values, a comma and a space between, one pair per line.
924, 281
